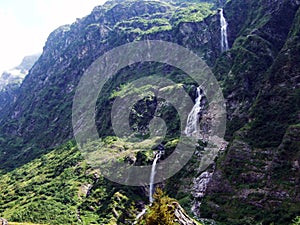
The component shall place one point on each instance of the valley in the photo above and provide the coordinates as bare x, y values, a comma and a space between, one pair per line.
242, 126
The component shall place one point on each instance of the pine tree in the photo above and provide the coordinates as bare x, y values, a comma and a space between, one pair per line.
161, 211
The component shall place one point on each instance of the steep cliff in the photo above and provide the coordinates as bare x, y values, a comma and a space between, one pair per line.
259, 173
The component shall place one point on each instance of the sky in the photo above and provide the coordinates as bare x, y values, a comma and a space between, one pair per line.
26, 24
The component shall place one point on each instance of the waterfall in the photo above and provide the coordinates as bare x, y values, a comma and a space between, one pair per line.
224, 24
191, 128
151, 191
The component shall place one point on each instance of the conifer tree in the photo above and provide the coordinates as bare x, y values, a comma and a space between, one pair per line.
161, 210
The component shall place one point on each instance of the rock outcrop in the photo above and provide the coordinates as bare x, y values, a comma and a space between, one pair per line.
3, 221
181, 217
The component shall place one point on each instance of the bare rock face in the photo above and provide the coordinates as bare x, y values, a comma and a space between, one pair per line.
3, 221
181, 216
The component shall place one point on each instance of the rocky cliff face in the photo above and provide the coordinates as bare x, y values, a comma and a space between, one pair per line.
257, 175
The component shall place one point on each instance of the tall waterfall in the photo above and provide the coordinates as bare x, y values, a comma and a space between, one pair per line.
192, 128
224, 24
151, 191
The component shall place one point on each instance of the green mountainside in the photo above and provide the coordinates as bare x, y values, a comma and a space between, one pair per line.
255, 180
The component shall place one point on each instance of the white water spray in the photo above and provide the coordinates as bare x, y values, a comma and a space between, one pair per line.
193, 129
224, 24
151, 191
192, 126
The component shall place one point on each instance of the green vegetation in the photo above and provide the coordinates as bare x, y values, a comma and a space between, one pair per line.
161, 211
161, 22
192, 13
296, 221
12, 223
55, 189
143, 26
44, 190
147, 105
61, 188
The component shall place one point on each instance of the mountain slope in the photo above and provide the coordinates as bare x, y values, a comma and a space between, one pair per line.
266, 148
255, 181
45, 99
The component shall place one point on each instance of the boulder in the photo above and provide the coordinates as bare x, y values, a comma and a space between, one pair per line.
3, 221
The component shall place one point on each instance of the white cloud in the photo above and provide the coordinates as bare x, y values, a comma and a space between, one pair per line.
10, 34
24, 31
66, 11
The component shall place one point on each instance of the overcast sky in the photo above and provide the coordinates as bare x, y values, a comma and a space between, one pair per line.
26, 24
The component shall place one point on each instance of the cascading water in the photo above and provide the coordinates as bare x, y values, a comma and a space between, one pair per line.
151, 190
191, 128
224, 24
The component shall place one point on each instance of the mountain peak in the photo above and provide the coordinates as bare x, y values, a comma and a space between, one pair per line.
18, 73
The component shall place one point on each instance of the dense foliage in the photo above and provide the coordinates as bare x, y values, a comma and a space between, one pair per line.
161, 211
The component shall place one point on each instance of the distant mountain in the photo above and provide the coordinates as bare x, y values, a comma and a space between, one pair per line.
10, 82
18, 73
